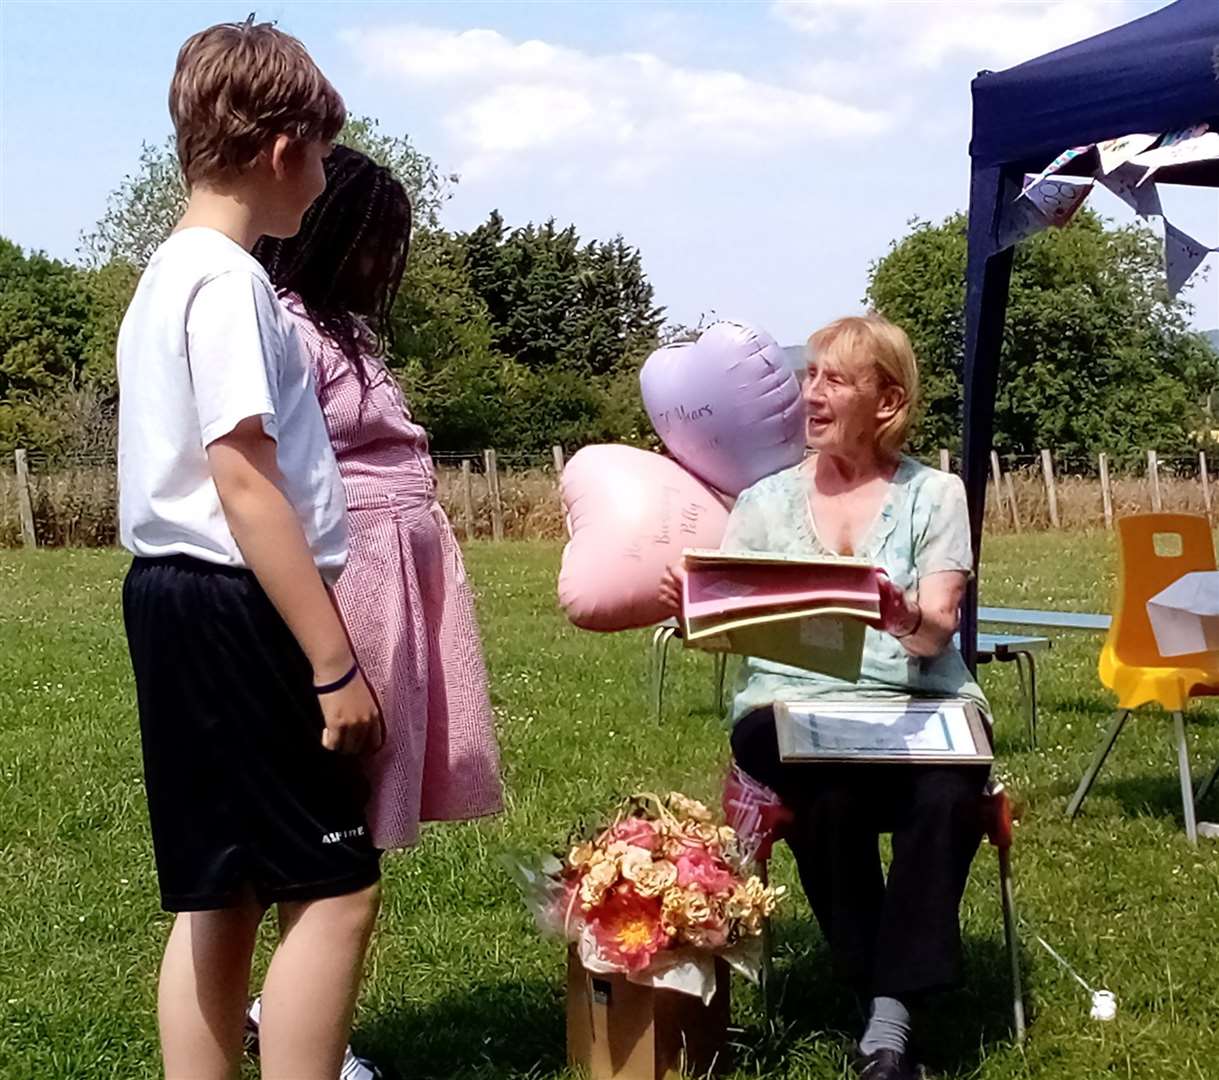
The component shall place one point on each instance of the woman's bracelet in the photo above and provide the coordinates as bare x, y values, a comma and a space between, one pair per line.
918, 623
339, 683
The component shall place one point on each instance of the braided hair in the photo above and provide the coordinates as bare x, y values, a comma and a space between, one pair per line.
347, 260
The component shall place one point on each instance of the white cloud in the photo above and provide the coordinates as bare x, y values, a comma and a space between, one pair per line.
502, 98
927, 32
515, 118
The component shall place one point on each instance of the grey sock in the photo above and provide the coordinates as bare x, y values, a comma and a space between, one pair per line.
889, 1027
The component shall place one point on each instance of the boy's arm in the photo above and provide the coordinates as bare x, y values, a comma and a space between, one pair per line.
267, 531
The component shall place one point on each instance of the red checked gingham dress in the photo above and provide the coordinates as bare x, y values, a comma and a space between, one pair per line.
407, 606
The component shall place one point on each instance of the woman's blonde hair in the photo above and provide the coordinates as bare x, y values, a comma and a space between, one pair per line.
870, 344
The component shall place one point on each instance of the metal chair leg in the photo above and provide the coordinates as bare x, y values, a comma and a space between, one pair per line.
1018, 658
1013, 943
660, 654
1204, 789
1032, 699
1187, 784
766, 975
1085, 785
721, 662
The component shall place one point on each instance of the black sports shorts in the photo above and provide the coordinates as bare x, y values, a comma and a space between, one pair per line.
242, 796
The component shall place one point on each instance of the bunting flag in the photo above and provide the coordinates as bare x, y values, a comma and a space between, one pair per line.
1126, 164
1182, 256
1116, 152
1019, 220
1046, 201
1058, 197
1124, 183
1053, 167
1203, 146
1171, 138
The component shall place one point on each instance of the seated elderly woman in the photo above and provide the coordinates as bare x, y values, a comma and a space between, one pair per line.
855, 493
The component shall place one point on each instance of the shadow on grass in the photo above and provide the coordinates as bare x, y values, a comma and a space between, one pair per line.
1160, 796
958, 1029
491, 1030
1074, 704
1156, 796
953, 1030
1138, 796
516, 1028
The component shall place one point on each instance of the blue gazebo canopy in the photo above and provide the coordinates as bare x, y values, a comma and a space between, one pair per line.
1157, 74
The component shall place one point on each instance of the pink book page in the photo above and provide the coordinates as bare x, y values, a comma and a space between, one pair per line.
711, 591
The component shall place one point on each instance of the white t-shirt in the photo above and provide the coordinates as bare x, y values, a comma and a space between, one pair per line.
203, 346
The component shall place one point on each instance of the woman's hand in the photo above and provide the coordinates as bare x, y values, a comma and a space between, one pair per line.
672, 585
925, 623
899, 615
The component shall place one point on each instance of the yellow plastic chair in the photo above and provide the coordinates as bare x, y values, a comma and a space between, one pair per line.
1154, 550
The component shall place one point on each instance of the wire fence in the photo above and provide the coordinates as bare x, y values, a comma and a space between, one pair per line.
70, 499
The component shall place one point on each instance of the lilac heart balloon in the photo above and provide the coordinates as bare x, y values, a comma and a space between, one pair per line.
727, 406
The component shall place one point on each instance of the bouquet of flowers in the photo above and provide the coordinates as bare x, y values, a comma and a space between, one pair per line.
657, 894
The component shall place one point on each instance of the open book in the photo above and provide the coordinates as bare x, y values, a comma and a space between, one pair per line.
807, 612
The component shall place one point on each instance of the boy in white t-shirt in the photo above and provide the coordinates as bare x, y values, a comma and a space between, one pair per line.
251, 704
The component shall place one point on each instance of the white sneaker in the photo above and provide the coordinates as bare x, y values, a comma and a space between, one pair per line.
353, 1068
358, 1068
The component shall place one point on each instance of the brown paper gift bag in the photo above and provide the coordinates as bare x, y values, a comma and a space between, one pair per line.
618, 1030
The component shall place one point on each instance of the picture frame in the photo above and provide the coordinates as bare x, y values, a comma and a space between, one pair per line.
891, 731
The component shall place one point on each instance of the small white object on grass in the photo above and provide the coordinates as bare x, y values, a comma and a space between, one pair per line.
1209, 829
1104, 1005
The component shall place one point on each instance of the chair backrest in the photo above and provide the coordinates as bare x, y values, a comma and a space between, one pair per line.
1154, 550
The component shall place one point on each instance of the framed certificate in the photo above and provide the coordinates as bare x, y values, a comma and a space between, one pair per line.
900, 731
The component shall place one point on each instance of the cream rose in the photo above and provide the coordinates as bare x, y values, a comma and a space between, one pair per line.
650, 878
684, 806
597, 881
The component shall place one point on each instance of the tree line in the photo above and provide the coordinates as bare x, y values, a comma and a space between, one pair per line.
523, 336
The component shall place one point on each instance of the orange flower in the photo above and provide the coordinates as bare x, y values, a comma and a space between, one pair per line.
627, 930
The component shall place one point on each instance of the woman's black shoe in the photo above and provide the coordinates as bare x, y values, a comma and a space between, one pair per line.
886, 1065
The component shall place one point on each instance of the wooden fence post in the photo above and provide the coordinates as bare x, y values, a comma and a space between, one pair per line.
1153, 473
25, 504
559, 464
945, 460
467, 499
497, 506
1051, 491
996, 474
1106, 496
1011, 501
1206, 483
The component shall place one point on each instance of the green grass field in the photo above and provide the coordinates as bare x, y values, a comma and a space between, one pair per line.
458, 982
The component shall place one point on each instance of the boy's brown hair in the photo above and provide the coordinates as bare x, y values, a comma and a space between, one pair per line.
236, 87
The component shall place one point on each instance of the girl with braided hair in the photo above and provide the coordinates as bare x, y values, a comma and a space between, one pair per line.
404, 596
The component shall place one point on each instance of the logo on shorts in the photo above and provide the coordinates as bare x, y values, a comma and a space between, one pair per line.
342, 834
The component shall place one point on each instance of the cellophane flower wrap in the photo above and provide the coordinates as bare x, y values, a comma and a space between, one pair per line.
657, 894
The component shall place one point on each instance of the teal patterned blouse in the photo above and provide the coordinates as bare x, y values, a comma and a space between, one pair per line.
922, 528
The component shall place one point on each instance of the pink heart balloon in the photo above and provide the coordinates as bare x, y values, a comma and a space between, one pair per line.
727, 406
630, 513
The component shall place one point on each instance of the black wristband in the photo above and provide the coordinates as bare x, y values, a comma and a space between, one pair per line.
338, 684
918, 624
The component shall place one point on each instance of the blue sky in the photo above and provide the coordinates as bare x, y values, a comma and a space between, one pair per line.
760, 155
